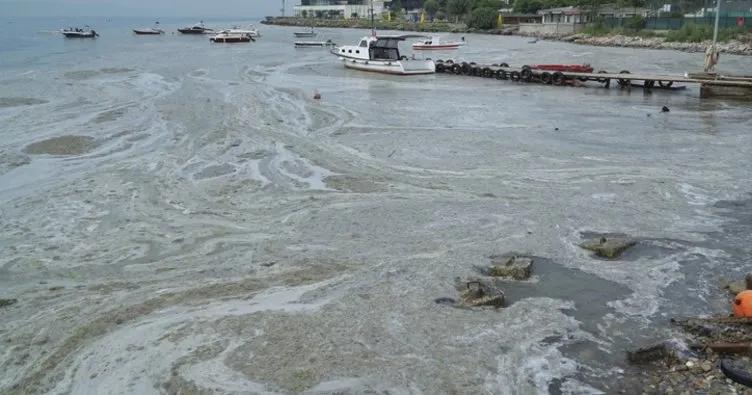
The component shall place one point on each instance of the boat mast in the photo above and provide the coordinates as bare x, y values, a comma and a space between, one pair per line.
373, 23
717, 17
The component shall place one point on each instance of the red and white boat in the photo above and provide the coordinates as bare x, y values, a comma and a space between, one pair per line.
435, 43
225, 36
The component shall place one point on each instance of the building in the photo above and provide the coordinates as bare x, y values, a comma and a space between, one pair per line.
569, 20
339, 9
509, 17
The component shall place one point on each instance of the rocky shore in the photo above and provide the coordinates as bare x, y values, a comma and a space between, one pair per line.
732, 47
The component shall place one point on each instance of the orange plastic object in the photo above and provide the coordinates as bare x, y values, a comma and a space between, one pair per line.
742, 304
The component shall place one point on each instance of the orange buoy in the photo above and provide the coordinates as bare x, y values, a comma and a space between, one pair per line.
317, 95
742, 304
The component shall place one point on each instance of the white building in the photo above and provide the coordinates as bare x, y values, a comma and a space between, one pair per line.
338, 9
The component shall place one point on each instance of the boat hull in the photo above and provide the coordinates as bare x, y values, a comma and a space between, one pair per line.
436, 47
147, 32
313, 44
79, 35
192, 31
394, 67
240, 39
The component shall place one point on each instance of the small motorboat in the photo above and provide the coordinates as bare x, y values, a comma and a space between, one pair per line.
198, 28
311, 44
149, 31
250, 30
574, 68
79, 33
225, 36
436, 44
310, 33
381, 54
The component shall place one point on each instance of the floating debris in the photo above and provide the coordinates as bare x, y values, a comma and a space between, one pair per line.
611, 248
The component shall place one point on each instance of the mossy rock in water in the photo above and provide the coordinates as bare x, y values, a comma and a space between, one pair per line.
509, 266
612, 247
735, 287
478, 292
671, 349
7, 302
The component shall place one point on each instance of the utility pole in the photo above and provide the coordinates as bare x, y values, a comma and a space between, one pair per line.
283, 8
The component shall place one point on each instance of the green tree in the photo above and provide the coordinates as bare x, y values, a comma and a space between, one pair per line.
495, 4
528, 6
459, 8
431, 7
396, 5
483, 18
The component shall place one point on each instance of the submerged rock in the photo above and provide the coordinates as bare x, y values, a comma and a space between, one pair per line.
508, 266
612, 247
7, 302
475, 293
666, 350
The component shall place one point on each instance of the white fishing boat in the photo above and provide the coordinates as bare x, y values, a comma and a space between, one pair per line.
436, 43
250, 30
307, 34
314, 44
79, 33
381, 54
225, 36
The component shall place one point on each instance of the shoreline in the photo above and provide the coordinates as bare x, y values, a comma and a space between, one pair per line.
732, 47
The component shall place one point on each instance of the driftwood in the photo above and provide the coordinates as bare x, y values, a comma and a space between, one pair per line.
724, 348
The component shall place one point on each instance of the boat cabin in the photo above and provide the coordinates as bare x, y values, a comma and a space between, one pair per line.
376, 48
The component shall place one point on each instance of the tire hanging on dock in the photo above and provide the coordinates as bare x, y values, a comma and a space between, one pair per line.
601, 79
623, 81
456, 69
546, 78
526, 74
515, 76
665, 84
501, 75
504, 65
487, 72
466, 69
440, 67
558, 78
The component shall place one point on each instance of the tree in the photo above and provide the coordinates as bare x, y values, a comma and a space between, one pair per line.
430, 7
354, 15
304, 14
396, 5
495, 4
459, 8
483, 18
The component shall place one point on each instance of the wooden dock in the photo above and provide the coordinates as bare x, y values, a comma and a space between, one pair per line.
711, 85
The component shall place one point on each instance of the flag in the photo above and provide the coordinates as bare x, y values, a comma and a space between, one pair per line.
501, 20
422, 17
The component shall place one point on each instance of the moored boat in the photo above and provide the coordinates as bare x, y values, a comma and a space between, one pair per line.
198, 28
225, 36
381, 54
149, 31
309, 44
250, 30
307, 34
435, 43
79, 33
